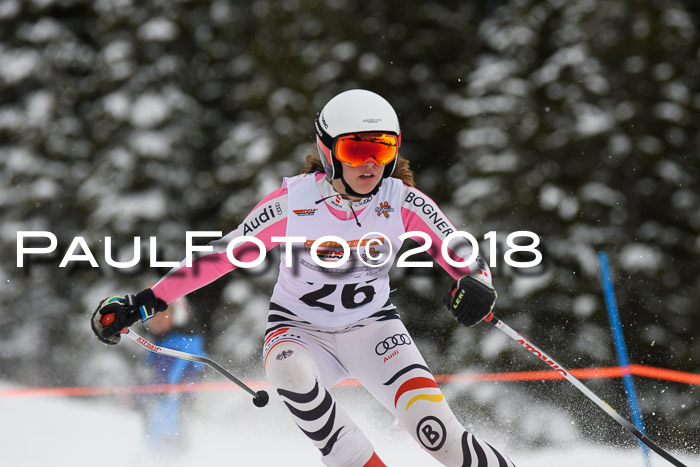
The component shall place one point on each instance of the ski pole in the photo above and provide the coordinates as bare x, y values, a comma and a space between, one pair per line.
260, 398
581, 387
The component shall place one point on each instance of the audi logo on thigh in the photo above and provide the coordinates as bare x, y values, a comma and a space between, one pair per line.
391, 342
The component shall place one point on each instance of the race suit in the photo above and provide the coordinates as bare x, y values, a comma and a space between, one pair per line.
331, 317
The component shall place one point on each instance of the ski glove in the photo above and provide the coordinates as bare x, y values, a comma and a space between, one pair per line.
470, 300
116, 313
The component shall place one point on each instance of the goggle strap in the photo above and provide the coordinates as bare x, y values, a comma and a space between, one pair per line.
325, 138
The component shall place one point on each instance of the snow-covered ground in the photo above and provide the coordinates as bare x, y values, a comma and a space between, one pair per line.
225, 429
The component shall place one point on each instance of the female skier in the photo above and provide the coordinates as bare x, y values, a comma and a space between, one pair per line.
341, 223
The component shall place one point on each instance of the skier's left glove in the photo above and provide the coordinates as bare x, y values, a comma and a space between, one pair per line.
470, 300
116, 313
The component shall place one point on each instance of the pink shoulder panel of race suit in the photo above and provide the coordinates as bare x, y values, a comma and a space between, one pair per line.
268, 219
420, 213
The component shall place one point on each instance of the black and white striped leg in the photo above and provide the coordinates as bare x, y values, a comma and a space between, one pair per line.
480, 454
315, 414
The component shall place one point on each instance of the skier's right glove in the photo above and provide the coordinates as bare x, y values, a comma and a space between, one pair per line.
470, 300
116, 313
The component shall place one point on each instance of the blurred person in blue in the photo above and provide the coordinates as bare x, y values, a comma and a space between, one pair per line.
166, 413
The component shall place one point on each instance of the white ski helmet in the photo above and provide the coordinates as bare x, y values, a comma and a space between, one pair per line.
353, 111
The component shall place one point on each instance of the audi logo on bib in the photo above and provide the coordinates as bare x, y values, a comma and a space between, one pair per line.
391, 342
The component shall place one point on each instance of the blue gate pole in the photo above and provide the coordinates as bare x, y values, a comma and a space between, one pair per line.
621, 350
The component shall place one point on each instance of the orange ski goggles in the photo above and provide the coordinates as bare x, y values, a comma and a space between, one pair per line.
357, 148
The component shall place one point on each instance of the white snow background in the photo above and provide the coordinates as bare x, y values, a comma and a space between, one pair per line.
226, 429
